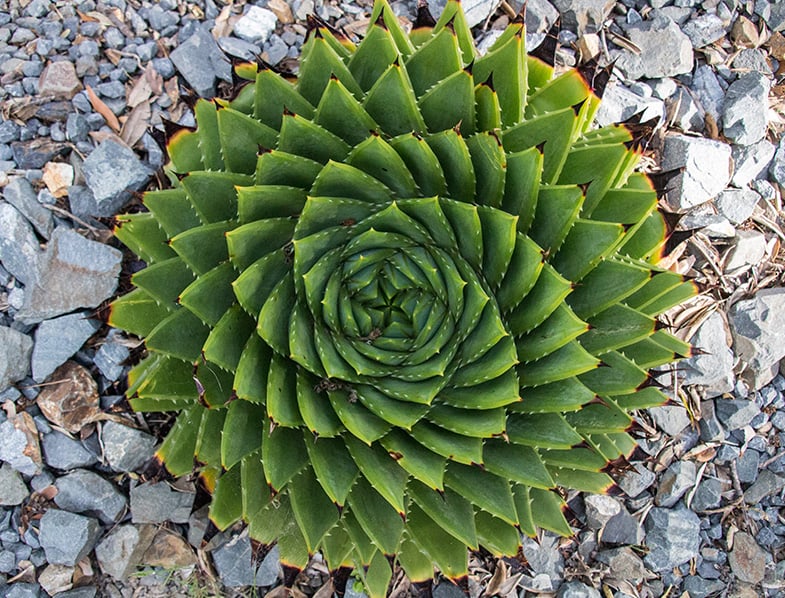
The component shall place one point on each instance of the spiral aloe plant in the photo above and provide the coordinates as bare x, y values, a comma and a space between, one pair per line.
401, 300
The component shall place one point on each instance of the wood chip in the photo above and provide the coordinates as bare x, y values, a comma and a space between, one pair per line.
281, 10
103, 109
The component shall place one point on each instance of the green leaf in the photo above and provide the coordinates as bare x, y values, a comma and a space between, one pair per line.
449, 509
543, 299
507, 63
377, 577
255, 493
455, 447
602, 416
616, 327
227, 506
178, 448
334, 467
610, 282
525, 266
302, 137
377, 158
319, 418
392, 104
259, 202
468, 422
246, 421
213, 195
313, 510
250, 242
210, 295
204, 247
381, 470
542, 430
318, 63
434, 61
241, 138
450, 103
279, 168
340, 113
586, 245
547, 511
256, 283
516, 462
496, 535
571, 360
422, 163
142, 235
283, 456
400, 414
456, 164
486, 490
172, 210
282, 408
415, 563
180, 335
556, 397
498, 392
274, 316
584, 481
414, 458
274, 95
208, 442
446, 552
137, 312
618, 375
164, 280
372, 58
561, 327
360, 422
250, 380
382, 523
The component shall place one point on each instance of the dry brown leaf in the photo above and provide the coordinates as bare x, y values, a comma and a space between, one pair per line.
136, 124
224, 22
498, 579
744, 33
113, 55
326, 591
70, 400
281, 10
140, 92
95, 17
102, 109
154, 79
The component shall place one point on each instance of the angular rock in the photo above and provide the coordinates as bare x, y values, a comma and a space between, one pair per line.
665, 50
234, 562
768, 483
126, 449
671, 419
620, 104
56, 340
158, 502
111, 356
22, 590
599, 509
747, 466
113, 172
673, 537
73, 273
710, 428
675, 481
707, 170
747, 559
19, 445
624, 565
83, 491
66, 537
59, 80
19, 249
15, 351
749, 249
705, 29
702, 588
55, 579
545, 561
707, 496
121, 551
35, 153
270, 570
777, 165
585, 16
712, 366
13, 490
758, 327
62, 452
707, 89
751, 161
576, 589
201, 62
744, 115
256, 25
622, 529
735, 413
169, 551
71, 399
737, 204
20, 194
81, 592
636, 480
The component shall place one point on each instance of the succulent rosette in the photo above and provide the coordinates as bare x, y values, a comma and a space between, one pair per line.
402, 299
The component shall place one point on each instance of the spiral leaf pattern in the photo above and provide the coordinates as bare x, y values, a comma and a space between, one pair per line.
400, 300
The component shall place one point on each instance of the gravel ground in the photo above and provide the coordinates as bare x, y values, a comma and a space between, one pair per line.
84, 511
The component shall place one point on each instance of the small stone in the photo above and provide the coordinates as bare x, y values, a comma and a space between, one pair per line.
15, 351
59, 80
64, 453
737, 204
707, 496
19, 249
20, 194
270, 570
707, 89
634, 481
67, 538
705, 29
55, 579
744, 116
13, 490
747, 559
169, 551
768, 483
747, 466
599, 509
121, 551
83, 491
735, 413
58, 176
624, 565
19, 445
110, 358
112, 173
622, 528
158, 502
238, 48
620, 104
665, 50
751, 162
7, 561
74, 272
35, 153
198, 523
256, 25
22, 590
712, 366
671, 419
707, 168
56, 340
758, 326
161, 19
675, 481
673, 537
576, 589
201, 62
777, 166
749, 249
699, 587
125, 448
583, 15
80, 592
234, 562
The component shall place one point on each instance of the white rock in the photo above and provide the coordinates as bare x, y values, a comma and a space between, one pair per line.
620, 104
706, 165
712, 367
599, 509
745, 112
750, 161
758, 327
749, 248
256, 25
737, 204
